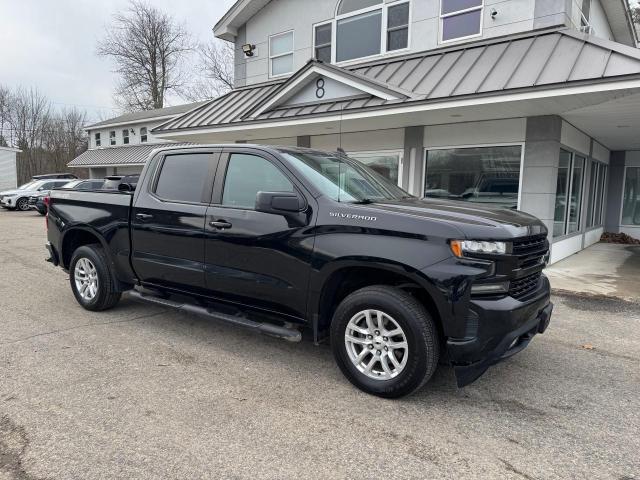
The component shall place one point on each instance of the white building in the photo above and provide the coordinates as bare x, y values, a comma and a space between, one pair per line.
8, 168
121, 145
533, 104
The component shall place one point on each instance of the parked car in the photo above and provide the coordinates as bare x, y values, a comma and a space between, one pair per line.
121, 182
19, 198
37, 202
50, 176
284, 240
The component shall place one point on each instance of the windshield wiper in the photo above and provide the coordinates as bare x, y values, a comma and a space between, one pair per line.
363, 201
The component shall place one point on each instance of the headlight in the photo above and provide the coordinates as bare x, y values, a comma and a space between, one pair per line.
460, 247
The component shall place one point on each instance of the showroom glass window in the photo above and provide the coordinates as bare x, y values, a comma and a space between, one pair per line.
568, 203
595, 194
475, 174
387, 164
460, 19
631, 197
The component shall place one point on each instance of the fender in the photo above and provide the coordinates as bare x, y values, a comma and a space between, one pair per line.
320, 279
119, 266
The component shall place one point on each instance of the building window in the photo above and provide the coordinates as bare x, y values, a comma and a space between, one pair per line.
387, 164
97, 139
125, 136
568, 205
477, 174
631, 197
322, 42
597, 178
359, 36
281, 54
112, 137
397, 27
363, 28
143, 135
460, 19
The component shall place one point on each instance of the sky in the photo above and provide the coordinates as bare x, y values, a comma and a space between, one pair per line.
51, 45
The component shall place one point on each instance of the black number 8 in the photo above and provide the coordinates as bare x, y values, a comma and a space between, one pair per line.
320, 88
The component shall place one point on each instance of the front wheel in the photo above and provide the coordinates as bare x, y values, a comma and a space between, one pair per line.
384, 341
91, 278
23, 204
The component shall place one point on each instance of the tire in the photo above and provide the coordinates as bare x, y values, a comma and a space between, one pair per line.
91, 263
42, 211
23, 204
399, 309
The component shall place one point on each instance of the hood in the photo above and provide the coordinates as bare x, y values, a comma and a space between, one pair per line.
10, 193
475, 220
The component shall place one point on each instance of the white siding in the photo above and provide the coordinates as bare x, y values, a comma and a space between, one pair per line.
278, 16
361, 141
476, 133
134, 138
599, 22
8, 174
573, 138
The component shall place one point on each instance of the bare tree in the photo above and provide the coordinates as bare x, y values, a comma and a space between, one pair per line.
48, 139
6, 101
148, 48
216, 61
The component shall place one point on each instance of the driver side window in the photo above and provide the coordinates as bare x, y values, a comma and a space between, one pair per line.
246, 176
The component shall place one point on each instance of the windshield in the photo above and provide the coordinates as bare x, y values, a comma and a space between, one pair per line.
71, 184
27, 185
344, 179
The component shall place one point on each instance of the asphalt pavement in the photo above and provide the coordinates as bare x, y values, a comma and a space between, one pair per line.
144, 392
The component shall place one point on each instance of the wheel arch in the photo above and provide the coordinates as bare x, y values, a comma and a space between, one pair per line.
342, 278
76, 237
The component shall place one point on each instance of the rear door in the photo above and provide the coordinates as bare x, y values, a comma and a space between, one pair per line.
168, 216
255, 258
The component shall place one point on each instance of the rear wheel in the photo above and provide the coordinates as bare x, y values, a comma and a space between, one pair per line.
22, 204
91, 278
384, 341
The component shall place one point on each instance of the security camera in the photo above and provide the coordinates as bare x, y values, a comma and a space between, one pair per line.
493, 13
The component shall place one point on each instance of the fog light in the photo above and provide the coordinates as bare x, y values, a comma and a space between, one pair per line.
489, 288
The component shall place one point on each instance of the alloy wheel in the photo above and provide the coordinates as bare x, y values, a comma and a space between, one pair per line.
86, 278
376, 344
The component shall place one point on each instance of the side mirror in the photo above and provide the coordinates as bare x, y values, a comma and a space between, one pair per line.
288, 204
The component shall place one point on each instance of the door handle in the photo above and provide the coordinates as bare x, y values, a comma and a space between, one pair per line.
143, 216
220, 224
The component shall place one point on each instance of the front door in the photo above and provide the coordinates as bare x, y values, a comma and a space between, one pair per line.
254, 258
167, 220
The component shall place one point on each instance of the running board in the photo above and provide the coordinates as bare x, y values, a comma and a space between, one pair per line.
286, 333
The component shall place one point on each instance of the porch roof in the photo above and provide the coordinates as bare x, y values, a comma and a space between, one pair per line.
514, 64
116, 156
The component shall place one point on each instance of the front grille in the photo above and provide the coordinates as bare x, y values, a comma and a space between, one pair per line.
525, 285
530, 250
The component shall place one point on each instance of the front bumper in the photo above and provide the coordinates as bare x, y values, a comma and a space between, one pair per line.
8, 202
500, 329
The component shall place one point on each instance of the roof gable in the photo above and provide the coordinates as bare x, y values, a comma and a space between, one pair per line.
320, 83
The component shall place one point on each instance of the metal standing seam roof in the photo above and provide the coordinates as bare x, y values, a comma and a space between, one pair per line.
528, 61
147, 114
129, 155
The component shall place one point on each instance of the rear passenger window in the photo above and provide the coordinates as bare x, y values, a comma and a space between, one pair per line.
249, 174
183, 178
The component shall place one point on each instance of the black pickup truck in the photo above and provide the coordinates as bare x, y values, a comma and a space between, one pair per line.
289, 240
